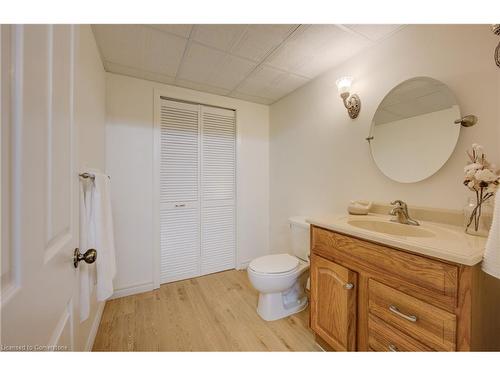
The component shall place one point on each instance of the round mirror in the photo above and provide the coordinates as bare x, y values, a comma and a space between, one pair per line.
413, 131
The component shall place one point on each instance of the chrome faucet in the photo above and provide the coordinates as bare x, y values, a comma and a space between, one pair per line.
401, 212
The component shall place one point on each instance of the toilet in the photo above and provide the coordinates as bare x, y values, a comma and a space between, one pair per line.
277, 277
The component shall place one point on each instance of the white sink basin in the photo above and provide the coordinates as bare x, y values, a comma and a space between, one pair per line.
391, 228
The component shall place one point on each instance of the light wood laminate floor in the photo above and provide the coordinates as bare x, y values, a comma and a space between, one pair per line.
210, 313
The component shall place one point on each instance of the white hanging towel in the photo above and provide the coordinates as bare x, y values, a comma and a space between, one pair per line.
104, 239
491, 259
86, 242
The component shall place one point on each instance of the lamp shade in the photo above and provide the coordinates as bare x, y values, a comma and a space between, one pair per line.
344, 84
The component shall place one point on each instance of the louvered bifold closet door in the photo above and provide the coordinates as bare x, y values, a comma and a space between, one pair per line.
218, 193
179, 190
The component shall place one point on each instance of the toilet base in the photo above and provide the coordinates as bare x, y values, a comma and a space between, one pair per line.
274, 306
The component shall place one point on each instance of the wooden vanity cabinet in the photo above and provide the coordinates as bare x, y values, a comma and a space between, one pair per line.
370, 297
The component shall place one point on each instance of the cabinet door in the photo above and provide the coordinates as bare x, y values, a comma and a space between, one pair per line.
333, 303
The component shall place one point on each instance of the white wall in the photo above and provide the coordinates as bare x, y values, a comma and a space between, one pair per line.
319, 158
90, 112
129, 161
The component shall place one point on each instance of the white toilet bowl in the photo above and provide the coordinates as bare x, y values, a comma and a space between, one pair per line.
277, 278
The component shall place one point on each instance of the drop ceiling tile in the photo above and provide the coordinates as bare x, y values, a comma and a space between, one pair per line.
199, 63
259, 40
176, 29
122, 44
214, 68
137, 73
250, 98
201, 87
231, 72
317, 48
271, 83
412, 90
169, 80
255, 84
163, 52
436, 101
374, 32
221, 37
121, 69
405, 109
383, 117
289, 83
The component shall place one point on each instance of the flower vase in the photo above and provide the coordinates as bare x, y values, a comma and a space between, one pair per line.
478, 217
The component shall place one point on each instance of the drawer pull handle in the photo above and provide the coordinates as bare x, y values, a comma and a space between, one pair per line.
395, 310
180, 205
349, 286
393, 348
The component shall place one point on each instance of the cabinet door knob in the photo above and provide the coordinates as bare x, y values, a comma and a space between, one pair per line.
348, 286
395, 310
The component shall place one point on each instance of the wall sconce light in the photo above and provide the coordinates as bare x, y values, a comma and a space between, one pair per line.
351, 102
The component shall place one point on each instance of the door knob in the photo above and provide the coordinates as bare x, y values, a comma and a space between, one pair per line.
89, 256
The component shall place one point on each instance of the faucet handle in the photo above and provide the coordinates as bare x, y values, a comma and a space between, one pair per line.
399, 203
399, 206
400, 210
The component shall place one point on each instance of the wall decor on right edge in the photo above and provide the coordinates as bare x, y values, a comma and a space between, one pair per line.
496, 31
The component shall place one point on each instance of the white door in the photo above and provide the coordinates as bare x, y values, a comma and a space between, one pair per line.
218, 193
39, 187
179, 171
196, 167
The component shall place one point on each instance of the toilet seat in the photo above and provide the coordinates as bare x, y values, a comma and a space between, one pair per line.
274, 264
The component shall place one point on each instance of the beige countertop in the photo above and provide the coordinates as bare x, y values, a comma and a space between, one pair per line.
448, 242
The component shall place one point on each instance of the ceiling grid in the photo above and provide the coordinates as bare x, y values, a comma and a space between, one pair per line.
258, 63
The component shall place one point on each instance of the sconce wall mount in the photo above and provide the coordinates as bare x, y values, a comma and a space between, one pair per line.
352, 103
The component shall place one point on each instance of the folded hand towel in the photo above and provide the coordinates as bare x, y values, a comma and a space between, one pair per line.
87, 241
491, 260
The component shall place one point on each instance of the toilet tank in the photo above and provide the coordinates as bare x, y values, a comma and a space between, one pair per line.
299, 231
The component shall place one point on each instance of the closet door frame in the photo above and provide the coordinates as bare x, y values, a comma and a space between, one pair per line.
158, 95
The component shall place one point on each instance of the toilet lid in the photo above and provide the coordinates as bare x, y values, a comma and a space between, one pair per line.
278, 263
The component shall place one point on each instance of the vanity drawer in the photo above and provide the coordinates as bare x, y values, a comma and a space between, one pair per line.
427, 279
384, 338
428, 324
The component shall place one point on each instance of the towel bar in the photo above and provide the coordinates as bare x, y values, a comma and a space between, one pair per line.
89, 175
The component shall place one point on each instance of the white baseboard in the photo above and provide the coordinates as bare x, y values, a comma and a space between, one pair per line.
243, 265
136, 289
95, 327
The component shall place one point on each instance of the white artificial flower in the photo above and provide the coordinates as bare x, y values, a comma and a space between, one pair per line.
477, 147
485, 175
471, 184
470, 173
473, 166
492, 188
